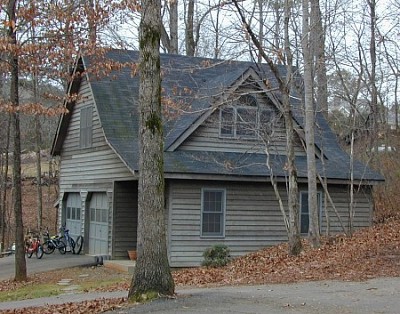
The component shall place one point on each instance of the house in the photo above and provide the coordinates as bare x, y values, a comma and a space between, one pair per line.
223, 119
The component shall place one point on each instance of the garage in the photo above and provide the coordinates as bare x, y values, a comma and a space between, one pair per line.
73, 215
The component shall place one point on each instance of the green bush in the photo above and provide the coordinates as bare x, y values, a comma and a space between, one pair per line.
216, 256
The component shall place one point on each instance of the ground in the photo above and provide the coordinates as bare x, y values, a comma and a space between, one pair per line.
370, 253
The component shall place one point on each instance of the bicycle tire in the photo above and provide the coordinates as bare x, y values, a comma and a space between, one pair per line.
61, 247
39, 252
48, 247
72, 245
78, 245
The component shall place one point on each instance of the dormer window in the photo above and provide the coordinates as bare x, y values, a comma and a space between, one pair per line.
243, 119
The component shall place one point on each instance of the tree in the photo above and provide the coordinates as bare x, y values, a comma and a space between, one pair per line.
20, 263
152, 275
285, 87
309, 41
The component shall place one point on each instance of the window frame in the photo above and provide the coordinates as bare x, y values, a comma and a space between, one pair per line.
86, 127
222, 212
319, 200
236, 124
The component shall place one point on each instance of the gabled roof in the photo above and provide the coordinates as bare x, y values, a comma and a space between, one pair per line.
199, 83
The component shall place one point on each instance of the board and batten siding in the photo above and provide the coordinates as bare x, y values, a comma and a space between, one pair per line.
125, 218
252, 219
99, 163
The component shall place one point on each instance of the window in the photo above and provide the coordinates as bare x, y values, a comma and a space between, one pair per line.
213, 209
86, 127
245, 119
304, 212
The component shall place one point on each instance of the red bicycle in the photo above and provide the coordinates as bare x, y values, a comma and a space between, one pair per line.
34, 246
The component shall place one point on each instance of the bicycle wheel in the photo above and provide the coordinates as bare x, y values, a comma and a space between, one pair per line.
61, 247
72, 245
29, 252
48, 247
39, 252
78, 245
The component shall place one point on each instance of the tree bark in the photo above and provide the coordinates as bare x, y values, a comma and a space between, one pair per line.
308, 41
189, 32
152, 275
20, 262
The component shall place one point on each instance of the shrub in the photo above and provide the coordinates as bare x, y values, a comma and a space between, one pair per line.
216, 256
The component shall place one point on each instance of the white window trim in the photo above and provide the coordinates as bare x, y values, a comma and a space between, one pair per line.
319, 200
222, 235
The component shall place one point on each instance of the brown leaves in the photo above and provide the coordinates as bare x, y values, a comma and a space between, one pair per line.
371, 252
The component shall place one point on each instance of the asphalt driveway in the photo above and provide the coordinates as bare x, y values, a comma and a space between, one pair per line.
381, 295
48, 262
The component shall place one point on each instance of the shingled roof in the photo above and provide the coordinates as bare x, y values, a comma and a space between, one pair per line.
116, 100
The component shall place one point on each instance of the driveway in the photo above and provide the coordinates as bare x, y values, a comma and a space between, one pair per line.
48, 262
380, 295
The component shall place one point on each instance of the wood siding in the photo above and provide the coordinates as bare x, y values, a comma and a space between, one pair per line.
98, 163
252, 219
125, 218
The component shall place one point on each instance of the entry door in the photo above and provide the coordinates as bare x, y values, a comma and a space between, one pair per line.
73, 214
98, 227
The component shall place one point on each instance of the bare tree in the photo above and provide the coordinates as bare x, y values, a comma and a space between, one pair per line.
285, 86
152, 275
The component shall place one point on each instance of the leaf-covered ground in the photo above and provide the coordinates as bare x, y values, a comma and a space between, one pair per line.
371, 252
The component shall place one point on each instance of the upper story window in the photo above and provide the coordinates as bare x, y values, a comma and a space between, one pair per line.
86, 127
244, 120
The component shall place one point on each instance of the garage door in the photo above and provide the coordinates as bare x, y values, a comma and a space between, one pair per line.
98, 226
73, 214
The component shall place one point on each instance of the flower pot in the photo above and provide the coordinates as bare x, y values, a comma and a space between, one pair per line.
132, 255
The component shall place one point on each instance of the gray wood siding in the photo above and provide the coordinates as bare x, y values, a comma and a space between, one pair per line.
125, 218
206, 137
98, 163
341, 198
252, 219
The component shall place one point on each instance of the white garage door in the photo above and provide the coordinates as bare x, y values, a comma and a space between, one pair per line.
73, 215
98, 228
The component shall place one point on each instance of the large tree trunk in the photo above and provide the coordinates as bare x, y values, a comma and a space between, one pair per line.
152, 275
307, 44
20, 262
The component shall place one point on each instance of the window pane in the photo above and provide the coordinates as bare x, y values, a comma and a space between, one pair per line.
78, 214
104, 215
73, 214
246, 122
92, 214
213, 213
227, 122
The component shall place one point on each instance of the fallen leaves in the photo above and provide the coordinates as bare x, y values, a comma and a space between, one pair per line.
371, 252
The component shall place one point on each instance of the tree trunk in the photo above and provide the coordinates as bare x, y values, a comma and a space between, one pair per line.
20, 262
173, 26
189, 32
295, 245
152, 275
294, 239
308, 41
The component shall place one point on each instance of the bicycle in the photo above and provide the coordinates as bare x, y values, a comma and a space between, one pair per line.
34, 246
75, 246
53, 243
